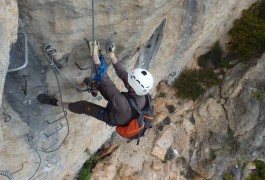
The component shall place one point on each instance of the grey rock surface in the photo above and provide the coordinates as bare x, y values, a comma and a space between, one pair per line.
208, 142
235, 134
52, 149
8, 35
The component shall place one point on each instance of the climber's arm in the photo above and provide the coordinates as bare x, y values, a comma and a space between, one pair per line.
119, 69
95, 46
121, 72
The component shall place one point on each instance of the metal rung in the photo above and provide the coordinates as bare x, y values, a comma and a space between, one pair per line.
41, 176
50, 157
56, 130
51, 122
52, 144
26, 55
7, 117
53, 162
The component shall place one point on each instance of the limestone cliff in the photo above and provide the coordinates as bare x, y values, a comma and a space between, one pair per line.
206, 139
8, 30
160, 35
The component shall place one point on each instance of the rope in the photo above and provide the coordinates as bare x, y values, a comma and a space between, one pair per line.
101, 71
93, 39
18, 170
61, 99
52, 52
38, 165
57, 69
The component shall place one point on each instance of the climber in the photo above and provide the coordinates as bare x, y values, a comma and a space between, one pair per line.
138, 82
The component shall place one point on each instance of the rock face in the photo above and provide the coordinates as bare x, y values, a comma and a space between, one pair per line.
8, 34
160, 35
230, 127
209, 138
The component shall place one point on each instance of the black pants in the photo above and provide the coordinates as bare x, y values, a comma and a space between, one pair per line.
90, 109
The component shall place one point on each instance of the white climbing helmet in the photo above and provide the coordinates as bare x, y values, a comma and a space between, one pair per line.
141, 81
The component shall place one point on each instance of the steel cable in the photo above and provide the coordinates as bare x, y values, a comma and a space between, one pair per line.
7, 174
55, 69
93, 39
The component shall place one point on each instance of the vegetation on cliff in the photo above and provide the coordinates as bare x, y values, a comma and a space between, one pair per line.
247, 34
86, 171
213, 58
259, 172
191, 84
247, 42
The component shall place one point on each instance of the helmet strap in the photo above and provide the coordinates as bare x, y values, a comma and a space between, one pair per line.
131, 90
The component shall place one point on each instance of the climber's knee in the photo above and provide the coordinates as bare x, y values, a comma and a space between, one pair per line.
79, 107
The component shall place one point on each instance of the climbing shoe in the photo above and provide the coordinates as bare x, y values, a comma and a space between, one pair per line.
45, 99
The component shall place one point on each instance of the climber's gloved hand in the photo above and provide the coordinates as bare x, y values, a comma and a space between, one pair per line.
96, 47
110, 48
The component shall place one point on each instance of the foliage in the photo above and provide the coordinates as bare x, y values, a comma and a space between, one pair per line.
212, 58
247, 34
260, 94
85, 173
171, 108
230, 145
162, 95
191, 84
162, 124
209, 159
165, 159
230, 134
228, 177
225, 63
259, 172
166, 121
191, 174
243, 167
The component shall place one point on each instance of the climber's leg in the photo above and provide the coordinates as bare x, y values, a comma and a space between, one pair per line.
90, 109
80, 107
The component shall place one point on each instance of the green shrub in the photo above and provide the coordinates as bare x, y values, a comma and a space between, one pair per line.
191, 84
243, 168
247, 34
230, 144
259, 172
261, 12
160, 126
225, 63
260, 94
162, 95
228, 177
85, 173
166, 121
212, 58
171, 108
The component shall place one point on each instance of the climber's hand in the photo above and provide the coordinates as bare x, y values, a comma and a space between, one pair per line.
110, 48
96, 47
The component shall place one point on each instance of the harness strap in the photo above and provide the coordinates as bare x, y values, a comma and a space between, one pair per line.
148, 99
133, 105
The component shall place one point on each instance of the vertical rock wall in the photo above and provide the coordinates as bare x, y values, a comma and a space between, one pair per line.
8, 34
56, 146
